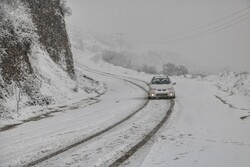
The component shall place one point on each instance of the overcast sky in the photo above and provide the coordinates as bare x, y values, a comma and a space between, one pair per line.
212, 34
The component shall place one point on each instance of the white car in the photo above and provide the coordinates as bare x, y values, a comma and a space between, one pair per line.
161, 87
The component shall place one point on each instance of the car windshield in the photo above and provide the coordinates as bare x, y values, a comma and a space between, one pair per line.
160, 81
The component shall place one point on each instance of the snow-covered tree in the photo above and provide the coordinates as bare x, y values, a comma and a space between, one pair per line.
66, 10
116, 58
171, 69
148, 69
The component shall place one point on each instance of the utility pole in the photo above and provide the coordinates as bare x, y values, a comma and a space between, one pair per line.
121, 34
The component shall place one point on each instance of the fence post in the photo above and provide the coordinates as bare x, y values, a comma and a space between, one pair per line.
17, 99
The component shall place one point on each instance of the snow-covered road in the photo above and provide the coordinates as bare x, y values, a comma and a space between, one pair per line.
36, 139
201, 131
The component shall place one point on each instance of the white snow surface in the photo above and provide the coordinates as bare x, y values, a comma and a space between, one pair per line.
208, 126
202, 131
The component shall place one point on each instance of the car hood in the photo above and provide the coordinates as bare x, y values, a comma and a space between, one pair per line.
161, 86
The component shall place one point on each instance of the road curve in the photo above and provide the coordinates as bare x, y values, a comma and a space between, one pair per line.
34, 142
117, 145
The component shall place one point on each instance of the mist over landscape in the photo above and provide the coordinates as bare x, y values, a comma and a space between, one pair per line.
208, 37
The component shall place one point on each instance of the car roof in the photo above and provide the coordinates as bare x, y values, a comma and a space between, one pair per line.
160, 76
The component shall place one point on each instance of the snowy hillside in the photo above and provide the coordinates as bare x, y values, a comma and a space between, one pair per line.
87, 41
233, 89
108, 48
232, 83
83, 43
36, 65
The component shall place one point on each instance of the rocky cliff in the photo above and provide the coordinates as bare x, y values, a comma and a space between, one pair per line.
48, 17
35, 53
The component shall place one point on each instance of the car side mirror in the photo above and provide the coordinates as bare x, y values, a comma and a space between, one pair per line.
174, 83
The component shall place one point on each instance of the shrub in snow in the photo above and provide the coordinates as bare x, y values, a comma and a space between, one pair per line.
182, 70
148, 69
171, 69
17, 34
16, 25
121, 59
117, 59
66, 10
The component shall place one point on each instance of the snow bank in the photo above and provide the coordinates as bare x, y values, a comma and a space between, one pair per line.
232, 83
232, 89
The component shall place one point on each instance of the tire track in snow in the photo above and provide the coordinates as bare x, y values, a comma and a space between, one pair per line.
230, 105
136, 147
53, 154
